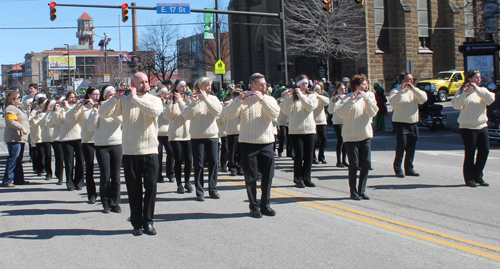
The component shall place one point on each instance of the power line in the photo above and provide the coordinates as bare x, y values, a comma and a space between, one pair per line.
113, 26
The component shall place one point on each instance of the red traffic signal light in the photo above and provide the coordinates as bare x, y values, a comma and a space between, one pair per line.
53, 15
328, 6
124, 12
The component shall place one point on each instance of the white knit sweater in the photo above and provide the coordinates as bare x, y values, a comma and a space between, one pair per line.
178, 128
47, 132
405, 103
70, 129
221, 123
35, 129
55, 121
473, 107
319, 111
107, 131
301, 113
163, 123
357, 114
333, 107
202, 114
140, 126
256, 118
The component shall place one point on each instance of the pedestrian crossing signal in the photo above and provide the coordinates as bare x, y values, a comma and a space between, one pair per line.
124, 12
53, 15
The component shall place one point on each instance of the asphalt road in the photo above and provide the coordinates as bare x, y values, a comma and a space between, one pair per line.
432, 221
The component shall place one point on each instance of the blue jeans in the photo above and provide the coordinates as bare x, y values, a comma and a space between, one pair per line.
14, 173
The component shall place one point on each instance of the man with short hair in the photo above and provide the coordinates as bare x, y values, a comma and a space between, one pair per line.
140, 148
405, 99
257, 112
28, 99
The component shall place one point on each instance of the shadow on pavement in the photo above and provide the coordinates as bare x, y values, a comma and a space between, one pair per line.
412, 186
37, 202
25, 212
195, 216
51, 233
289, 200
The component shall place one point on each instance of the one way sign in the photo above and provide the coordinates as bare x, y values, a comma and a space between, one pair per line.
220, 68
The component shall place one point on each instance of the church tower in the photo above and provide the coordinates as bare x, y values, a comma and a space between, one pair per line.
86, 32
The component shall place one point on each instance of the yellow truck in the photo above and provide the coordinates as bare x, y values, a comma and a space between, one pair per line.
443, 84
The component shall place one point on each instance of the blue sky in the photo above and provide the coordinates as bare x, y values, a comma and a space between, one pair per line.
16, 43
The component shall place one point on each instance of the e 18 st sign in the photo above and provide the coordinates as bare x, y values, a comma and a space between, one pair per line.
172, 8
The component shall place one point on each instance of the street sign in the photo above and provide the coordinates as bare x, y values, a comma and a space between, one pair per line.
220, 68
172, 8
106, 77
16, 75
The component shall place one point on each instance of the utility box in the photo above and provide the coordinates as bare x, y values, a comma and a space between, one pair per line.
483, 57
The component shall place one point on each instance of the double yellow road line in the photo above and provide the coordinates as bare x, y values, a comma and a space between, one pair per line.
436, 237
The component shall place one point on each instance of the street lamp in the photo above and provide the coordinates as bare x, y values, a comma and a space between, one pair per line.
69, 79
104, 42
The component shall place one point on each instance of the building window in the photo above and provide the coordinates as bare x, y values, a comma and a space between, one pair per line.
381, 21
423, 26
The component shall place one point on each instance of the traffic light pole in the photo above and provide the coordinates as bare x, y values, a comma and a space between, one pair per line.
280, 16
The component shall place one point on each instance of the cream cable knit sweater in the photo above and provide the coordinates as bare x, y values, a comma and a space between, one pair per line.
357, 115
47, 132
80, 114
282, 118
319, 111
140, 127
55, 121
301, 113
232, 125
221, 123
178, 128
71, 128
202, 114
107, 131
163, 123
256, 118
36, 130
473, 107
333, 107
405, 103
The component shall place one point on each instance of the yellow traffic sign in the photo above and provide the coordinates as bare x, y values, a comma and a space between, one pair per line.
220, 68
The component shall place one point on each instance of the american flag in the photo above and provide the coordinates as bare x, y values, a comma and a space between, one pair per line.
125, 58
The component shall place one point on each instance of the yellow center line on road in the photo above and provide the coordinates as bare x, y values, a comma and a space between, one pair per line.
320, 205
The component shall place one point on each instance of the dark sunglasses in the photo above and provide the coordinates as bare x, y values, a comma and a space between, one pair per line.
19, 97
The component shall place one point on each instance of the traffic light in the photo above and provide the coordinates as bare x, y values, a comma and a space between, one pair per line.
53, 15
360, 2
328, 6
124, 12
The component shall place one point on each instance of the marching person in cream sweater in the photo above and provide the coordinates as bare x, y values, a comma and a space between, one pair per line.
162, 93
357, 110
472, 100
337, 121
257, 112
202, 110
405, 100
233, 131
140, 148
108, 146
178, 135
54, 121
320, 119
47, 138
299, 104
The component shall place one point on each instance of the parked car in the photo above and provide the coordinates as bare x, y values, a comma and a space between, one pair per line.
443, 84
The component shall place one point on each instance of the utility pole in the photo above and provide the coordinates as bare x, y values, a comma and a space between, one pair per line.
69, 79
217, 33
283, 41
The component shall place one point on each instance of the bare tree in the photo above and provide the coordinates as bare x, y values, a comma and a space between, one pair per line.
476, 20
160, 38
311, 31
118, 74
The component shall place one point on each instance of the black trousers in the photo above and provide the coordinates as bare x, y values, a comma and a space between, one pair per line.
163, 143
88, 154
406, 140
39, 158
321, 136
47, 154
109, 159
224, 151
141, 170
59, 156
234, 152
210, 147
474, 163
255, 159
340, 149
182, 152
284, 136
359, 156
303, 146
73, 154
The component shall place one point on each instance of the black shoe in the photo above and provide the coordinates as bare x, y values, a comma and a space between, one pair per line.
188, 187
39, 174
340, 165
355, 196
106, 209
315, 162
91, 200
370, 168
279, 155
255, 214
345, 164
400, 174
200, 198
116, 209
223, 169
240, 172
180, 189
59, 182
78, 188
161, 180
471, 184
137, 232
171, 178
22, 183
484, 184
412, 174
71, 189
48, 177
323, 162
149, 229
232, 173
364, 196
268, 211
309, 184
214, 194
300, 185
